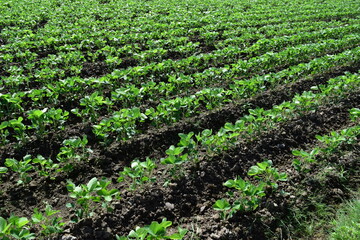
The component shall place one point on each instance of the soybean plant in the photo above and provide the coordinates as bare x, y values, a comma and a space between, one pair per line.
154, 231
21, 167
49, 223
247, 196
94, 191
74, 149
15, 228
140, 173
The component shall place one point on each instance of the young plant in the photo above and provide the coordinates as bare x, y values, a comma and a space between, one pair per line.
354, 114
122, 123
15, 228
175, 158
44, 166
21, 167
4, 133
301, 164
248, 196
335, 139
49, 223
40, 119
92, 105
94, 191
19, 130
155, 231
74, 150
265, 172
225, 208
140, 173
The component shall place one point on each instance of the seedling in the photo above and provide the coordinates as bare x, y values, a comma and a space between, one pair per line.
305, 159
40, 119
46, 166
175, 158
15, 228
49, 223
140, 173
94, 191
224, 207
248, 196
92, 105
155, 231
74, 150
21, 167
354, 114
265, 172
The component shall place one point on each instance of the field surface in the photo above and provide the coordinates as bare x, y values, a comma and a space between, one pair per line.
231, 119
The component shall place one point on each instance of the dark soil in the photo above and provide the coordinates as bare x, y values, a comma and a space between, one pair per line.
188, 201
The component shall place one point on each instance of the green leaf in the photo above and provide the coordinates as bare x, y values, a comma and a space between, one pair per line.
22, 222
296, 153
254, 170
159, 229
4, 227
3, 169
265, 164
221, 205
92, 184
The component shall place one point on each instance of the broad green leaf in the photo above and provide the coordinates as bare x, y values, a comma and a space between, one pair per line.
296, 153
22, 222
4, 227
221, 205
156, 229
92, 184
254, 170
265, 164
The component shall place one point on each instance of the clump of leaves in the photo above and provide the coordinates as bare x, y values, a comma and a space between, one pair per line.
139, 173
94, 191
20, 167
154, 231
74, 150
247, 196
49, 223
15, 228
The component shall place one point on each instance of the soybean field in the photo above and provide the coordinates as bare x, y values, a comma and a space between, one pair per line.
186, 119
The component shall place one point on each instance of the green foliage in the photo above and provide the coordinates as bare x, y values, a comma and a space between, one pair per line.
49, 223
94, 191
41, 119
45, 167
21, 167
91, 105
265, 172
122, 124
329, 144
140, 173
226, 211
354, 114
74, 150
248, 196
154, 231
347, 223
302, 164
15, 228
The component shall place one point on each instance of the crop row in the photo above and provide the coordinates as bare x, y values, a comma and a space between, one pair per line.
191, 147
123, 123
245, 197
70, 63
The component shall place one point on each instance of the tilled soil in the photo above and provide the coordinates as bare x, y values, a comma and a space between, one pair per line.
188, 201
